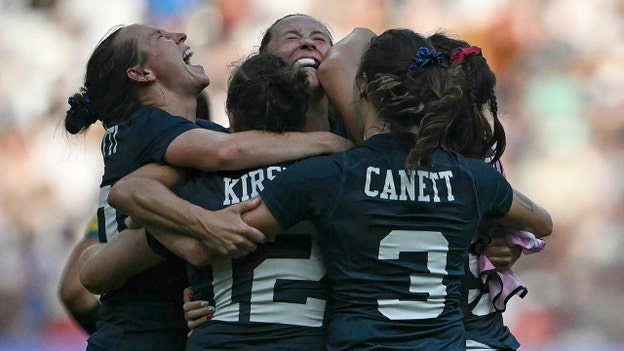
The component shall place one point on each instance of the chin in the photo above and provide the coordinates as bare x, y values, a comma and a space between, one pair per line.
204, 81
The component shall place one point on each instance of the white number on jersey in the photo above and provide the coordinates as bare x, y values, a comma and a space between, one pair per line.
435, 245
262, 301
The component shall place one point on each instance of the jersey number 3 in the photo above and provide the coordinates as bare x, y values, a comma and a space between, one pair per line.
427, 285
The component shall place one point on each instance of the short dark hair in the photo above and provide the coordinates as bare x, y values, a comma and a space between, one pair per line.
266, 93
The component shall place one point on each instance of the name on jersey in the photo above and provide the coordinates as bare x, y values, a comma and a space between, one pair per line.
248, 185
404, 185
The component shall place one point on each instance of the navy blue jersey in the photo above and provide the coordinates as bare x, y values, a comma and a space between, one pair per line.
146, 312
483, 323
140, 140
395, 242
272, 299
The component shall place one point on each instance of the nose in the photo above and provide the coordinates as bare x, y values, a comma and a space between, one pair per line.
307, 43
179, 37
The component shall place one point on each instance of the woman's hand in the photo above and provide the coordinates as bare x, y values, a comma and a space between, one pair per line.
197, 312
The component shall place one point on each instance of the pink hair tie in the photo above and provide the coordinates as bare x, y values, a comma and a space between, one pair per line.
460, 54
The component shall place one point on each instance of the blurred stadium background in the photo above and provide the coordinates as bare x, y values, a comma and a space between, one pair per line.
560, 68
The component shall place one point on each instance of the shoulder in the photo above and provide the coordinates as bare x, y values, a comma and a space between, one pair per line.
154, 115
317, 166
212, 126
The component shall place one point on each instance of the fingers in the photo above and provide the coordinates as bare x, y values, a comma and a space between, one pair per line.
197, 313
501, 254
187, 294
248, 205
131, 223
499, 245
245, 230
255, 236
236, 248
228, 235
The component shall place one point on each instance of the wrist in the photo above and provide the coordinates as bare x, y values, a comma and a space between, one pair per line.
195, 226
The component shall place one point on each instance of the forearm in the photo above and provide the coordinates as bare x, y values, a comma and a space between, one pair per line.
72, 294
144, 194
527, 215
262, 219
105, 267
153, 205
337, 75
206, 151
191, 250
251, 149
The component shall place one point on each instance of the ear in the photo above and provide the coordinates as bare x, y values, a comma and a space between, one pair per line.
139, 74
363, 86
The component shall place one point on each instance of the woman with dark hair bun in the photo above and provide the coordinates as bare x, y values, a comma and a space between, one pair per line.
275, 297
140, 83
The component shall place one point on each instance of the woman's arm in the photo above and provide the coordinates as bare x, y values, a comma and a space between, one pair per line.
262, 219
214, 151
105, 267
81, 304
145, 195
337, 76
526, 215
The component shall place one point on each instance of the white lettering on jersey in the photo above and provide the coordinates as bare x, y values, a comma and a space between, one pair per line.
248, 185
409, 182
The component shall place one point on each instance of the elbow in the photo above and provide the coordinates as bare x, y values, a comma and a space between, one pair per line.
118, 195
91, 282
97, 283
197, 255
541, 226
69, 293
547, 227
229, 155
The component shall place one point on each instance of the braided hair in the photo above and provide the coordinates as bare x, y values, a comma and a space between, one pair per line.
472, 134
412, 90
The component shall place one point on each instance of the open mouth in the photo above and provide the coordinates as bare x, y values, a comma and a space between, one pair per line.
306, 62
187, 56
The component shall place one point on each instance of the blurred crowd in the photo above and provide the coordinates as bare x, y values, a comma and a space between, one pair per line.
560, 94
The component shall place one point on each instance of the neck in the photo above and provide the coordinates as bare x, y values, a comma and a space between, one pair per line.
372, 123
187, 109
178, 105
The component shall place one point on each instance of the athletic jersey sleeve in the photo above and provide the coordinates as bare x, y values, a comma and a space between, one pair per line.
301, 192
159, 129
495, 194
143, 139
